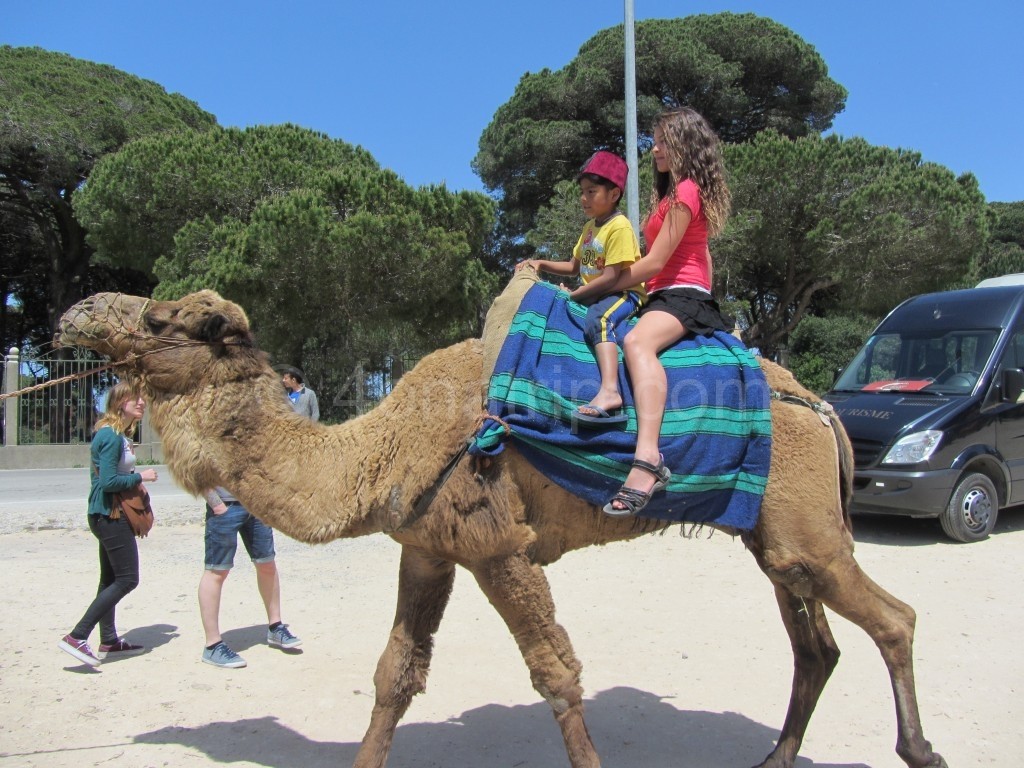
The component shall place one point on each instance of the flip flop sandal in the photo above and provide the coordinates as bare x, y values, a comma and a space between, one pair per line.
600, 417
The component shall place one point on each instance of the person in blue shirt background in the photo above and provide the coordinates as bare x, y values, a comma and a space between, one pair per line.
303, 398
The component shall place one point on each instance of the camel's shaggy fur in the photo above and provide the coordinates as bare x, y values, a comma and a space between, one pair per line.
224, 420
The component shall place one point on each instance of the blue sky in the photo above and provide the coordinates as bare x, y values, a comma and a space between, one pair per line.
416, 83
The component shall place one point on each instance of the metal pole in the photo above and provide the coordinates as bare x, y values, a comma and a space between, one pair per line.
632, 185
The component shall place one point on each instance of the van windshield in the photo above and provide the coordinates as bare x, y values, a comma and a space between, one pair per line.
948, 363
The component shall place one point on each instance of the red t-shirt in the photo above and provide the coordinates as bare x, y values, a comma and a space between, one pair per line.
688, 265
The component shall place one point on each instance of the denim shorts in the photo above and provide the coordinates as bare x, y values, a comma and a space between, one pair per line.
222, 533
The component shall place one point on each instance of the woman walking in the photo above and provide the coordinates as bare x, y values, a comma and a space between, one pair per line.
112, 470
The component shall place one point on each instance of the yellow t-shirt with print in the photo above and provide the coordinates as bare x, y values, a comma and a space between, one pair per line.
613, 242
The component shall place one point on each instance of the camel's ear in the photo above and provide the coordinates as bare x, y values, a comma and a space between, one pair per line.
214, 328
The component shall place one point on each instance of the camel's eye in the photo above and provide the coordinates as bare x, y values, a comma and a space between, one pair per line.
214, 328
154, 326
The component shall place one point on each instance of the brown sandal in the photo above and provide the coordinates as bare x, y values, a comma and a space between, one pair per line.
633, 500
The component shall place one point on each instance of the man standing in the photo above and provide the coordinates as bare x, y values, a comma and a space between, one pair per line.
303, 398
226, 520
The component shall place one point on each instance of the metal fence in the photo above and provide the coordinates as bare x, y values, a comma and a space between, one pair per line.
65, 413
365, 387
61, 414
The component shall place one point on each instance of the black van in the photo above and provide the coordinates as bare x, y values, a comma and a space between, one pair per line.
933, 406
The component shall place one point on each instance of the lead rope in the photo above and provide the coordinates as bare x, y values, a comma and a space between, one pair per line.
422, 504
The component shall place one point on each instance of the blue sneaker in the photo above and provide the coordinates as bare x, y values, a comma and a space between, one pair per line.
222, 656
282, 638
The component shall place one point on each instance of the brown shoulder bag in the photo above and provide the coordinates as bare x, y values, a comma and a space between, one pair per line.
134, 505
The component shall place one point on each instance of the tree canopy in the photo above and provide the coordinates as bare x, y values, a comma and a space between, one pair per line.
822, 346
744, 73
58, 116
1006, 246
336, 259
841, 224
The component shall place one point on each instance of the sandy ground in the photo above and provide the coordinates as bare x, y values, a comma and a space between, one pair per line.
685, 660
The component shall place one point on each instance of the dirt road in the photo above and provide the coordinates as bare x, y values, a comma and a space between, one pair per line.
685, 659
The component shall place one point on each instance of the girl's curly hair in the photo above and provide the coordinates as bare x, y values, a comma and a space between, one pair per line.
694, 152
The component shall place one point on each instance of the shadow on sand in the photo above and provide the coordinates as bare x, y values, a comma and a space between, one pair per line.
629, 727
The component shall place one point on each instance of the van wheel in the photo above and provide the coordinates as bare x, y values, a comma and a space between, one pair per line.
971, 513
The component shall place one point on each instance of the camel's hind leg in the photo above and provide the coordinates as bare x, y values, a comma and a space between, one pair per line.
815, 655
424, 586
890, 623
847, 590
520, 592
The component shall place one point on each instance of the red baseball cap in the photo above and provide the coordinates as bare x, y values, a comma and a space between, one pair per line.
607, 165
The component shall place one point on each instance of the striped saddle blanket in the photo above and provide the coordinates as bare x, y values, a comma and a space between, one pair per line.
716, 435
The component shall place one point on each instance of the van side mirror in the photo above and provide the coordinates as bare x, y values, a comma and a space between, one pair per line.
1011, 385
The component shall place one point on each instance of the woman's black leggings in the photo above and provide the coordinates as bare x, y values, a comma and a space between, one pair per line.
119, 575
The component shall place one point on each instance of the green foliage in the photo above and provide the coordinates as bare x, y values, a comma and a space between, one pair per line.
1006, 245
335, 259
58, 115
1008, 226
743, 72
819, 347
826, 224
137, 201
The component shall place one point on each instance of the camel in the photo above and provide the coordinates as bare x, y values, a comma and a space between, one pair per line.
223, 420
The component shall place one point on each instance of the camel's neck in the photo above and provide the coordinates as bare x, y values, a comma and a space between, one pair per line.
312, 482
286, 470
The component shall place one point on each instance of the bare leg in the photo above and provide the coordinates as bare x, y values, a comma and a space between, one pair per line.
520, 592
653, 332
269, 585
424, 586
608, 396
211, 584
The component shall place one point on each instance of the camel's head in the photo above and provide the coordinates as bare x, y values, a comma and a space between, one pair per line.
171, 344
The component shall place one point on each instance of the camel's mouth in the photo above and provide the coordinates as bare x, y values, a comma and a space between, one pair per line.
97, 321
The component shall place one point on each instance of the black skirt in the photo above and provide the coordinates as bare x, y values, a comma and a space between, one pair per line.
697, 310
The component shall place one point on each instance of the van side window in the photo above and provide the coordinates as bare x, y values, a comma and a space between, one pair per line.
1014, 356
1017, 345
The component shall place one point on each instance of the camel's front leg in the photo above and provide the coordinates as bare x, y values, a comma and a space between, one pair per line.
520, 592
424, 586
815, 655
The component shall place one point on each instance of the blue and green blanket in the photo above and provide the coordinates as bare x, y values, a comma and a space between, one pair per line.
716, 436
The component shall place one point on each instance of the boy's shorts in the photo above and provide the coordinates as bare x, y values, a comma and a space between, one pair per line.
222, 532
605, 316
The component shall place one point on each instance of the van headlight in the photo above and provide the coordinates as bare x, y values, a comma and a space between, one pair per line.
915, 448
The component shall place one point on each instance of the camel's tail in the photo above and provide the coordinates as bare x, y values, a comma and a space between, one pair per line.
846, 467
